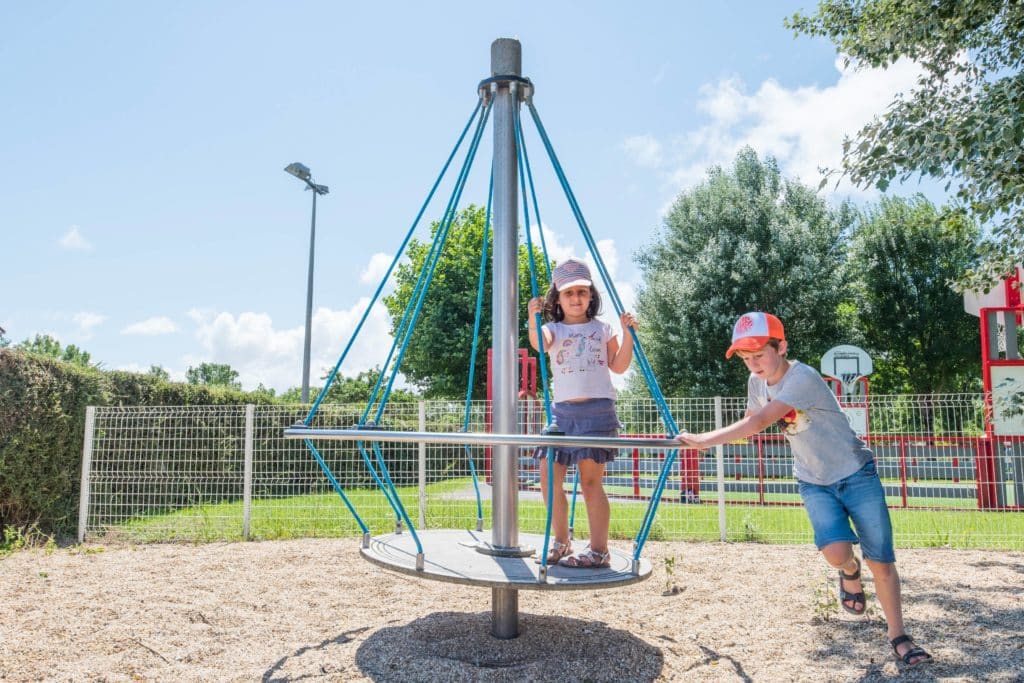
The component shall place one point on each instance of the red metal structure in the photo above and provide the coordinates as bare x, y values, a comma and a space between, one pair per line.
995, 359
533, 421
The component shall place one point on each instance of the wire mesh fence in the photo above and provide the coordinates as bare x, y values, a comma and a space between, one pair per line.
216, 472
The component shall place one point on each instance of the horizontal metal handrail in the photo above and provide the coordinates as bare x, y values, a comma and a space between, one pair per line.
477, 438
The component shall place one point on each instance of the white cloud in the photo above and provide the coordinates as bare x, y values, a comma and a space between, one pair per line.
724, 102
559, 249
376, 268
802, 127
86, 320
261, 353
73, 239
643, 150
151, 326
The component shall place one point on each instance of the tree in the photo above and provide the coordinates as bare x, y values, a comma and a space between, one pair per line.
213, 374
903, 255
159, 372
964, 121
438, 355
349, 390
4, 341
741, 241
45, 345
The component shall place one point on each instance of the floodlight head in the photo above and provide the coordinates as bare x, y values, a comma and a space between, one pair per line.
298, 170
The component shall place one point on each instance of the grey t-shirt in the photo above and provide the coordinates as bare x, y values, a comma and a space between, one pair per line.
825, 447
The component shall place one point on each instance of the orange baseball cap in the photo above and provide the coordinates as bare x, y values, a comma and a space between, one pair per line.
753, 330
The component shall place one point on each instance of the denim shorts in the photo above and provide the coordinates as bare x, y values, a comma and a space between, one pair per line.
859, 498
594, 417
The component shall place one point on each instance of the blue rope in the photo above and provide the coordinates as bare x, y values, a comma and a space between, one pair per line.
398, 255
423, 281
453, 203
645, 367
336, 485
327, 385
547, 268
392, 496
476, 337
399, 332
523, 162
392, 501
394, 492
437, 247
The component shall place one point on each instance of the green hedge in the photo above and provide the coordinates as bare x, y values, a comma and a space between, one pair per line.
42, 422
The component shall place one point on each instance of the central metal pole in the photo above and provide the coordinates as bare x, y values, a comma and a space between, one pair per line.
506, 60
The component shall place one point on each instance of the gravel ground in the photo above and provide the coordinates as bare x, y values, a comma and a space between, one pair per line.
313, 610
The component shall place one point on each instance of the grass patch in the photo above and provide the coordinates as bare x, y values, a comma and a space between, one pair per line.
324, 515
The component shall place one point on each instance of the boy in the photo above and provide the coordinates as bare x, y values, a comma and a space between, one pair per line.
835, 470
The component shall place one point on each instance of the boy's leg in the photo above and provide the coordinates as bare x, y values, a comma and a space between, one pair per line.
832, 533
864, 496
559, 507
887, 588
598, 511
840, 555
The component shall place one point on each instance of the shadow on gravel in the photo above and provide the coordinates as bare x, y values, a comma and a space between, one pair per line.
459, 646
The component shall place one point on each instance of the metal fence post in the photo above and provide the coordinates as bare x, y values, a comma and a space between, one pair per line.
250, 421
423, 466
720, 467
83, 495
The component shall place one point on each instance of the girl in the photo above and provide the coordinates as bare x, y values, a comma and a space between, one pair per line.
582, 351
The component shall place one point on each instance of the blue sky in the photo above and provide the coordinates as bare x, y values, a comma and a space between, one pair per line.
146, 218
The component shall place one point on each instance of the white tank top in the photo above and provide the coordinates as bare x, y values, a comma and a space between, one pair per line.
579, 360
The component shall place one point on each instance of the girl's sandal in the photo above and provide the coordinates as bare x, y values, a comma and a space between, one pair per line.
592, 559
556, 552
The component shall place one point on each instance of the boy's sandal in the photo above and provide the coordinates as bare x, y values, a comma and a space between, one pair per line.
859, 601
556, 552
914, 652
592, 559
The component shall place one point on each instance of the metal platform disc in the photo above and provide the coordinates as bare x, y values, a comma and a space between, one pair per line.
451, 555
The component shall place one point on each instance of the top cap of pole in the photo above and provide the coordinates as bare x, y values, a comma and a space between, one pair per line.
506, 57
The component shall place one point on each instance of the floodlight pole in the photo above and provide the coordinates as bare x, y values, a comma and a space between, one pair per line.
303, 173
309, 305
506, 60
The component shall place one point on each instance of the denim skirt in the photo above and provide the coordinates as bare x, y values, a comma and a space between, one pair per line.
594, 417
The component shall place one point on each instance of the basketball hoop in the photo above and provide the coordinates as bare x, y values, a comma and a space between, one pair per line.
849, 364
851, 384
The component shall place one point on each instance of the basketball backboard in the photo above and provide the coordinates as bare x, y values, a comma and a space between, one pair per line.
847, 363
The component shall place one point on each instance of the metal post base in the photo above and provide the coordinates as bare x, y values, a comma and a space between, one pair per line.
486, 548
504, 613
